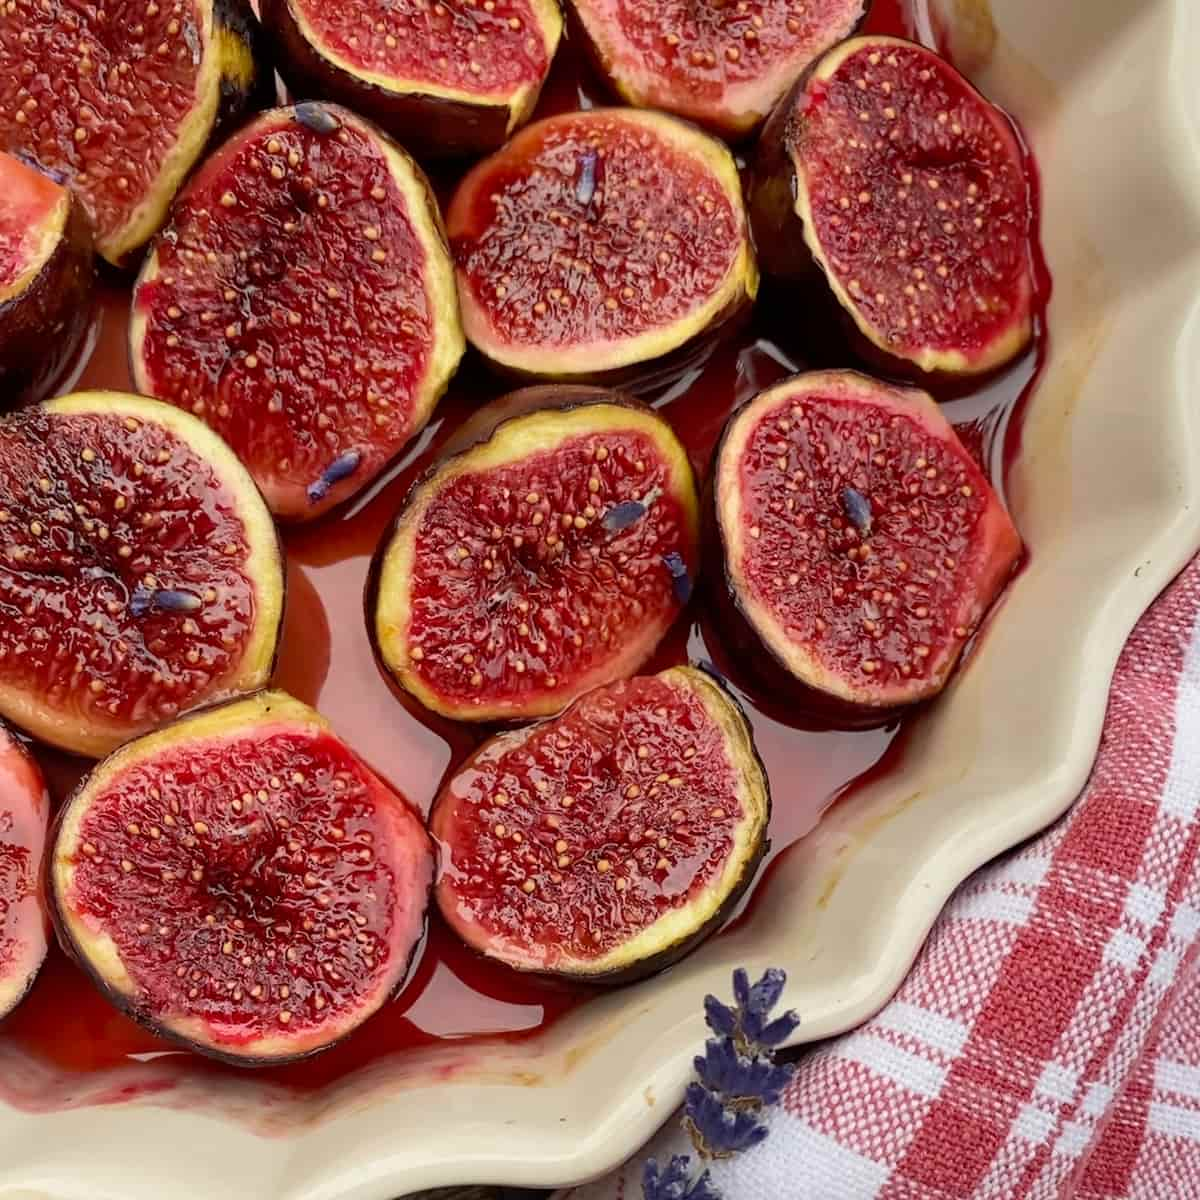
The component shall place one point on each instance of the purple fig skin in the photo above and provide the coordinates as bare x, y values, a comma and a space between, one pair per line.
430, 127
43, 327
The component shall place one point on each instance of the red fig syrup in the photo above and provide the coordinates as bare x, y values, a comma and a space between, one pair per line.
327, 660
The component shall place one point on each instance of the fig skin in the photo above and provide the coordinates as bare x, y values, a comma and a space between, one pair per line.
94, 738
735, 122
492, 420
647, 360
749, 645
788, 248
227, 717
22, 779
43, 324
754, 784
428, 125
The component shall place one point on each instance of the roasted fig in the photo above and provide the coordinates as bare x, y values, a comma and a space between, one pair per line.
301, 301
444, 80
862, 544
119, 100
723, 65
597, 242
24, 812
547, 559
140, 573
607, 843
240, 882
908, 190
46, 277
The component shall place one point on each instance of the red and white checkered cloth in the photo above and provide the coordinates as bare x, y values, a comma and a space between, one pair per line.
1047, 1042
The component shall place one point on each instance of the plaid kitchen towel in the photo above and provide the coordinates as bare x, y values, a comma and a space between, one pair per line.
1047, 1042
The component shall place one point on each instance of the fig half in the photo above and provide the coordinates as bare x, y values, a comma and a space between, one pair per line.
301, 301
24, 814
862, 544
908, 189
598, 242
240, 882
546, 559
722, 65
606, 844
120, 100
444, 80
47, 273
140, 572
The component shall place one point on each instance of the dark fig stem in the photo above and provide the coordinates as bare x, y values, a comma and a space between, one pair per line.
316, 117
585, 189
341, 468
165, 599
857, 509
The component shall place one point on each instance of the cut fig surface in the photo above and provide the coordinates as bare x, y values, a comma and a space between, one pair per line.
242, 883
721, 64
46, 279
909, 191
119, 100
862, 543
545, 560
140, 573
597, 242
301, 302
607, 843
24, 813
445, 80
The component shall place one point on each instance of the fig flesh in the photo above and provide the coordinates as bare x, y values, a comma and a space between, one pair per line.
862, 544
605, 844
24, 813
47, 273
595, 243
537, 563
722, 65
301, 302
444, 81
908, 189
119, 100
240, 882
140, 572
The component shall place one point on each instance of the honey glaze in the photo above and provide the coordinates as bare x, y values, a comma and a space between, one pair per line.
65, 1027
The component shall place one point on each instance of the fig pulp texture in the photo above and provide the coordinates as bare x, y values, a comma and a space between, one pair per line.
24, 812
862, 544
605, 844
301, 302
118, 100
241, 882
46, 279
908, 190
720, 64
140, 573
597, 242
547, 559
444, 80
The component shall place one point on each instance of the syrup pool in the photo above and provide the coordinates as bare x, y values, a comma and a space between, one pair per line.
327, 660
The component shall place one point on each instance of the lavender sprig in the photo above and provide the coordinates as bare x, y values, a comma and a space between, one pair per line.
737, 1080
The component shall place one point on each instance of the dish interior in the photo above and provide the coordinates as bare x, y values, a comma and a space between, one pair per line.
67, 1031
